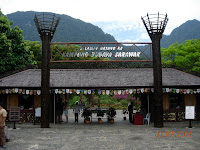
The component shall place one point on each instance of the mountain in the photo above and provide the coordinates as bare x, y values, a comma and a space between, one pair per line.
187, 31
68, 30
136, 32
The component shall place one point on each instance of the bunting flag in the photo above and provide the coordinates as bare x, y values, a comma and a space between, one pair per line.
99, 92
119, 92
85, 91
130, 91
103, 92
77, 91
67, 90
107, 92
27, 92
89, 91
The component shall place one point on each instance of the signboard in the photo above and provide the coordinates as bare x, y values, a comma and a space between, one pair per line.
14, 114
100, 52
38, 112
189, 112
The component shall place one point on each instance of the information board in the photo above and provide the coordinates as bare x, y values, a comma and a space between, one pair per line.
189, 112
38, 112
14, 113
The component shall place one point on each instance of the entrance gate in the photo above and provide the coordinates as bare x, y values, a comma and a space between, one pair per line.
99, 52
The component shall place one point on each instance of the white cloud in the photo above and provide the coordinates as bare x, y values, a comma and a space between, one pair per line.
125, 13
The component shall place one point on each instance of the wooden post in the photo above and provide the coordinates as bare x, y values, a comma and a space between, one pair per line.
98, 99
45, 79
92, 97
157, 73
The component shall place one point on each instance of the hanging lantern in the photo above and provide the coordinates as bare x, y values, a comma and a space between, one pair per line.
142, 90
70, 91
177, 90
198, 90
152, 90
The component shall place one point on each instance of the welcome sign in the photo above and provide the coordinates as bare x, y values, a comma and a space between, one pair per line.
100, 52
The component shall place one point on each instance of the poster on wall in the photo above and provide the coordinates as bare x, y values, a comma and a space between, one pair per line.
189, 112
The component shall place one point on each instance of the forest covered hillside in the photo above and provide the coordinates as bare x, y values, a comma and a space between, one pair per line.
68, 30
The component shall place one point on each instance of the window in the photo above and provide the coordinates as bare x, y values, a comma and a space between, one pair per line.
176, 101
26, 101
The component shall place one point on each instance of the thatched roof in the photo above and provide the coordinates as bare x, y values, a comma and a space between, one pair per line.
100, 78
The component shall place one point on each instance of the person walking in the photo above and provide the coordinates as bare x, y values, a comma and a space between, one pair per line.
3, 115
76, 111
130, 110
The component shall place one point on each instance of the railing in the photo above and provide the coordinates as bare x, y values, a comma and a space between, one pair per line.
175, 115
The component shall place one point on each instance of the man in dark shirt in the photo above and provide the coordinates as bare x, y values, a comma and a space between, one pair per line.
130, 110
59, 110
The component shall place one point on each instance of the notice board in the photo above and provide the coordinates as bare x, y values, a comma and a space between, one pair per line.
14, 114
189, 112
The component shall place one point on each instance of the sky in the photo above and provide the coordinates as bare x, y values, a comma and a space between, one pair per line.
112, 15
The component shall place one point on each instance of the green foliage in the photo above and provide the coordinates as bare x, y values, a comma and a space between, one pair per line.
13, 51
73, 101
185, 56
35, 48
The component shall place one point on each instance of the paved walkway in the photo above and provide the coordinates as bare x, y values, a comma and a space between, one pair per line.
118, 136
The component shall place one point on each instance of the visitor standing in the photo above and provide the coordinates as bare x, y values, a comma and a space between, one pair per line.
3, 115
76, 111
130, 110
59, 110
66, 113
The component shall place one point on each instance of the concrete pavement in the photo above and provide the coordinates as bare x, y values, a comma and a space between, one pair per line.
118, 136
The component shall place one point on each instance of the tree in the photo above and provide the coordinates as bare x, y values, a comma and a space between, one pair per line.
185, 56
13, 51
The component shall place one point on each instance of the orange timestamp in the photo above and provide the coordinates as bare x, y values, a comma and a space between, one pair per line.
172, 134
